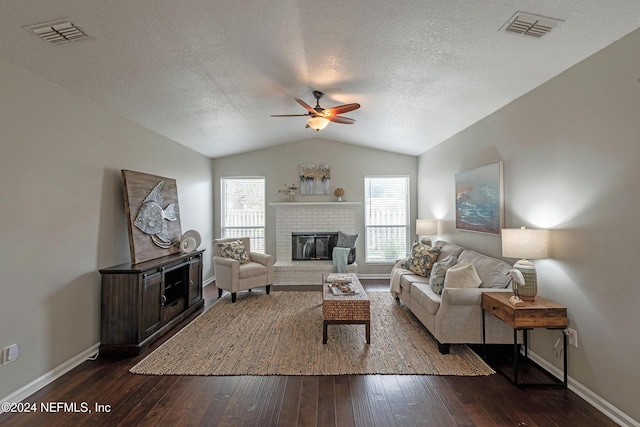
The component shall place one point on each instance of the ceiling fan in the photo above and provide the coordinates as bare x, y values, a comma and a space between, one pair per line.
320, 117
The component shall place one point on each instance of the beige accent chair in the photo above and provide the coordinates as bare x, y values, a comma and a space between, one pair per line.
235, 277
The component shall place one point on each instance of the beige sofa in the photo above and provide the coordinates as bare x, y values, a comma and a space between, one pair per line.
455, 316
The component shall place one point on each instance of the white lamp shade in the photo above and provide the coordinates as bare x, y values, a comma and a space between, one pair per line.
426, 227
525, 243
317, 123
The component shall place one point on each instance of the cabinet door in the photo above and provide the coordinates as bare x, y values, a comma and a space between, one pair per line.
151, 303
195, 280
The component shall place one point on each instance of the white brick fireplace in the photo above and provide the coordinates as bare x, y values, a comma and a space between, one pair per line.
309, 217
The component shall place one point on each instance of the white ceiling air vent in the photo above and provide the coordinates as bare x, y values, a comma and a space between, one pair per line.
530, 24
58, 32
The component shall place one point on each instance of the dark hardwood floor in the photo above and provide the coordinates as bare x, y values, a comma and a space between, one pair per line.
345, 400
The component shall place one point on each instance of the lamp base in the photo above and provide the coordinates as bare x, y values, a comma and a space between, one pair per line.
529, 291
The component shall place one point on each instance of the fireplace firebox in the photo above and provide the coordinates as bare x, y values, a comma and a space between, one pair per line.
309, 246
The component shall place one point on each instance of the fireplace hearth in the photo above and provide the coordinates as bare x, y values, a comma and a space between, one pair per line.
310, 246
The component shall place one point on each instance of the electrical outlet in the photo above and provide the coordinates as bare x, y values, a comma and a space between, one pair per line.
572, 334
9, 354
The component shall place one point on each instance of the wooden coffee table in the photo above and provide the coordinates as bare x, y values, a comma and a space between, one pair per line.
345, 309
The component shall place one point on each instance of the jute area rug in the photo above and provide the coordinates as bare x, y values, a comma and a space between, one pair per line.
281, 334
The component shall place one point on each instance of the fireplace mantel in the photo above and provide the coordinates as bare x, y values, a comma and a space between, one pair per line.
293, 205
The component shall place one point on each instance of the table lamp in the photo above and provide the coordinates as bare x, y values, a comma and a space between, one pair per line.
525, 243
426, 227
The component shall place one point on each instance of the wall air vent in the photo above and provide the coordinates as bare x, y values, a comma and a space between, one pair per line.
58, 32
530, 24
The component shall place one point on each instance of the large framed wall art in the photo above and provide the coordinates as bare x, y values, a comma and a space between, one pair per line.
153, 215
480, 199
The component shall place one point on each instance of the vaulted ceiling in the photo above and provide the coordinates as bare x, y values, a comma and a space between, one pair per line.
209, 73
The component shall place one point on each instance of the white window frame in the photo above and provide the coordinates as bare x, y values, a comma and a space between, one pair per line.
369, 259
256, 233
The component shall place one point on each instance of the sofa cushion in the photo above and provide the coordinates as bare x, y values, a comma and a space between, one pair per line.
252, 269
491, 271
436, 278
462, 275
234, 250
422, 259
423, 295
408, 279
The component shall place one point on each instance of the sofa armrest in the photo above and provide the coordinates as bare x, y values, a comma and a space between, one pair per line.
399, 263
264, 259
459, 318
225, 262
267, 261
466, 296
227, 272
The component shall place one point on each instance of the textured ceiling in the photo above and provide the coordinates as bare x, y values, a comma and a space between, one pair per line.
208, 73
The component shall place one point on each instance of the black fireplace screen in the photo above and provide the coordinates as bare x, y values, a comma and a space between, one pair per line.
306, 246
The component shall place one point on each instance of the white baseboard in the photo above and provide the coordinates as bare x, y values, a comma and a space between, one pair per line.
50, 376
598, 402
374, 276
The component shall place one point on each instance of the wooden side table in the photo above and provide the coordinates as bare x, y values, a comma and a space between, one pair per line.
539, 313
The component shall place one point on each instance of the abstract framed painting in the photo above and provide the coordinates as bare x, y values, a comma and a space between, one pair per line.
480, 199
315, 179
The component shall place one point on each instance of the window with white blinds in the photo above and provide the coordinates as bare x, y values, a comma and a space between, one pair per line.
386, 218
242, 209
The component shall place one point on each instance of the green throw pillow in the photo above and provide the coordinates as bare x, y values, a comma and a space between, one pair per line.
439, 270
422, 259
234, 250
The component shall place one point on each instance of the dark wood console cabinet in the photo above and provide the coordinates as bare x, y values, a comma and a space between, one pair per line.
141, 302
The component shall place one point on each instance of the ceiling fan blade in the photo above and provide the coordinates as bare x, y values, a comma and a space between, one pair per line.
340, 119
306, 106
289, 115
340, 109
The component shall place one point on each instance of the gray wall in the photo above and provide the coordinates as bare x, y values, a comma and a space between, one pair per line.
63, 215
349, 164
571, 152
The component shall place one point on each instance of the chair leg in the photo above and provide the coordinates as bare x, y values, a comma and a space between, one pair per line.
233, 297
268, 289
219, 293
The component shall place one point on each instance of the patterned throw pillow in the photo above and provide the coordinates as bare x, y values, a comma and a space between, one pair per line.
234, 250
436, 279
422, 259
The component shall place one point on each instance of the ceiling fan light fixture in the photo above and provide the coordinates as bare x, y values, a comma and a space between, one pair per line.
317, 123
